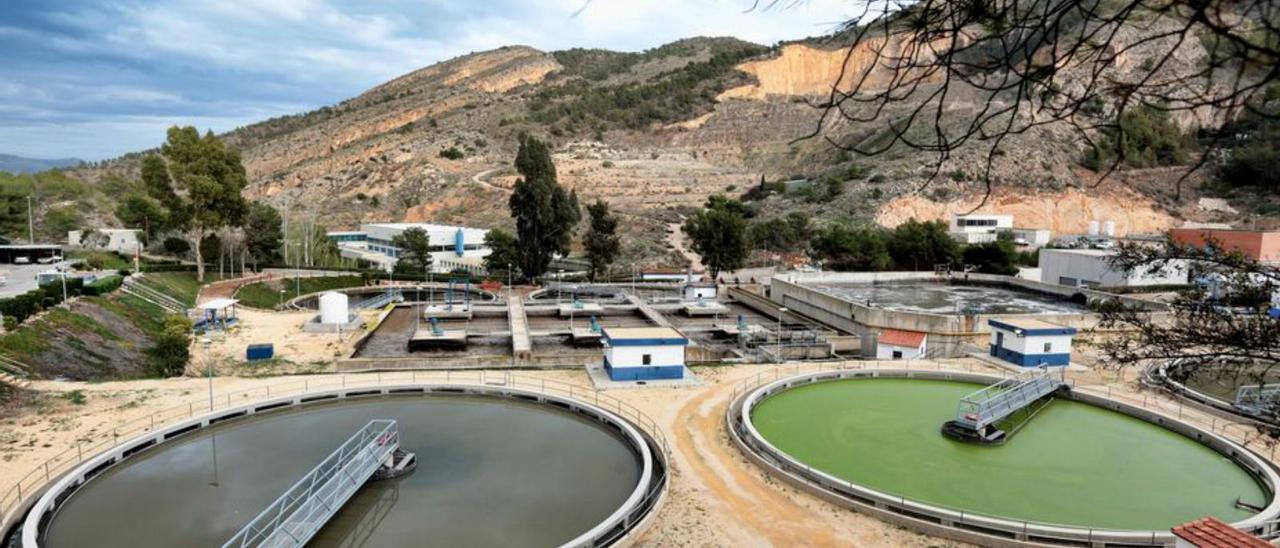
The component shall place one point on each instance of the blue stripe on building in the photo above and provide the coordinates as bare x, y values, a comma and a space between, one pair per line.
1029, 360
646, 342
1032, 331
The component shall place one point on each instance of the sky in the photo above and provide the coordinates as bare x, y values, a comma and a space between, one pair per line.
93, 79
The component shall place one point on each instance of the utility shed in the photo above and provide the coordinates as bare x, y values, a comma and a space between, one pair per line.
1031, 343
693, 291
899, 344
643, 353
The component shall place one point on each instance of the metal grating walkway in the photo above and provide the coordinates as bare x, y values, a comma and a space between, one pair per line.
303, 509
993, 403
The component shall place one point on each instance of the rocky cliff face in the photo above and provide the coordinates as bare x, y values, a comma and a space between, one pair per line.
803, 69
1063, 212
377, 156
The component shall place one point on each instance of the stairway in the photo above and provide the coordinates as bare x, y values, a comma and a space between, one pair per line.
135, 287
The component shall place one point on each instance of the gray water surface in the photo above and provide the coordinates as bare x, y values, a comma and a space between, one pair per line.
491, 472
952, 299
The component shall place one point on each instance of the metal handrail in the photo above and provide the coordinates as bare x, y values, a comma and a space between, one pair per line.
29, 487
322, 490
1004, 398
1233, 432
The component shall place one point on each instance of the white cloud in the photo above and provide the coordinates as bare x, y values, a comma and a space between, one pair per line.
134, 67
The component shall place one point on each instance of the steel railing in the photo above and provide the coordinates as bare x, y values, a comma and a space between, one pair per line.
296, 516
993, 403
15, 498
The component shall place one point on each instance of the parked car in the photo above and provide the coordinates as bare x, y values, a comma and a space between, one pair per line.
22, 260
49, 260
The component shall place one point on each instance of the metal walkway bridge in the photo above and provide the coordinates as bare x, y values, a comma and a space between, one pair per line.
303, 509
979, 411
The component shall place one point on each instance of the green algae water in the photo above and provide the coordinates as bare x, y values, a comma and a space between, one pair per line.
1073, 464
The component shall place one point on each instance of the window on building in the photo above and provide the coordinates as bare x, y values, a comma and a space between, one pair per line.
897, 354
646, 359
1048, 347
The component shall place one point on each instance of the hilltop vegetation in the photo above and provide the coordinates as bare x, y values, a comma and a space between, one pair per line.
600, 89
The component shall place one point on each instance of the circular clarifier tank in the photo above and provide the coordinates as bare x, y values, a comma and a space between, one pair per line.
1073, 465
492, 471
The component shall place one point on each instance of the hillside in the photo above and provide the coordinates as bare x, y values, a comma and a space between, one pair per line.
654, 133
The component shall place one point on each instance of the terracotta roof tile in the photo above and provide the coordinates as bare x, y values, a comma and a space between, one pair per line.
899, 337
1211, 532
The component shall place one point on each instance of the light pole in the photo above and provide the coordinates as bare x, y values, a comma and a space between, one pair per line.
633, 279
513, 333
208, 365
31, 225
781, 311
559, 284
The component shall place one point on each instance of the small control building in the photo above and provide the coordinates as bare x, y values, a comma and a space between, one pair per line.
900, 344
1031, 343
643, 353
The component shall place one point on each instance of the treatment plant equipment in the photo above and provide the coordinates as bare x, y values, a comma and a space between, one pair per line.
982, 415
1089, 470
502, 460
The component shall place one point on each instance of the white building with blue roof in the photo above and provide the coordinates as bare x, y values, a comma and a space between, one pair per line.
452, 247
643, 353
1031, 343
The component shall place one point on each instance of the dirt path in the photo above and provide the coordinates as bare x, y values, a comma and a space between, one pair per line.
479, 180
677, 241
715, 497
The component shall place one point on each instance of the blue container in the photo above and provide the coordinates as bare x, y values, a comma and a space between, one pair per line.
263, 351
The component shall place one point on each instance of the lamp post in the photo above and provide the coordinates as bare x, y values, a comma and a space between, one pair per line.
208, 365
781, 311
559, 284
633, 278
513, 333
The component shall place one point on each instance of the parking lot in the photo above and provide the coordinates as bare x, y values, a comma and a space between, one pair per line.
21, 278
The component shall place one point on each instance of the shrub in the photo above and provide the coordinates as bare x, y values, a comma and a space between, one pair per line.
176, 246
452, 153
103, 286
168, 356
76, 397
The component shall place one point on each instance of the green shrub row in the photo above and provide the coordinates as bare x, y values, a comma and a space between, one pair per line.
23, 306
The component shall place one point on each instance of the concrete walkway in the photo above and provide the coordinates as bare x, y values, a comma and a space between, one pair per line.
521, 346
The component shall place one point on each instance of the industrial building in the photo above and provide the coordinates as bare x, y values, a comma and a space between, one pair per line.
977, 229
452, 247
644, 353
1257, 245
126, 241
1093, 268
1031, 343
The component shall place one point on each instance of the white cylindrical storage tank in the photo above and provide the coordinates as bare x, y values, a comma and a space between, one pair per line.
1109, 229
1093, 228
333, 308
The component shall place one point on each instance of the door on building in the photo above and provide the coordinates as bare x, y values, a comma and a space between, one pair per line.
1000, 340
